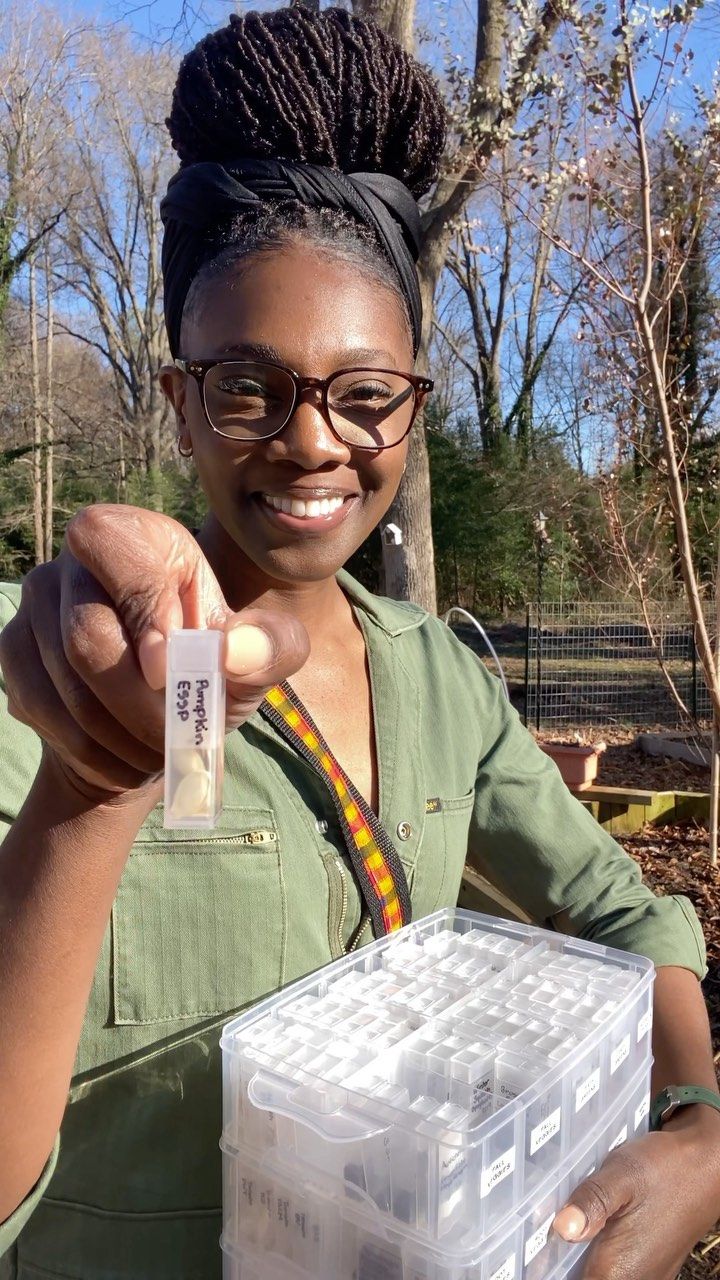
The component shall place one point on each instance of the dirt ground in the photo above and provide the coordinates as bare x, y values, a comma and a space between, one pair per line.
673, 859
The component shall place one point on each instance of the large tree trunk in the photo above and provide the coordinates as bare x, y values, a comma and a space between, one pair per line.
397, 17
413, 576
411, 509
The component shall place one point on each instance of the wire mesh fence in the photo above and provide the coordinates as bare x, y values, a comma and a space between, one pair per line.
595, 663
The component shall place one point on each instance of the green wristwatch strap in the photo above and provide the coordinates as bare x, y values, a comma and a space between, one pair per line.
679, 1095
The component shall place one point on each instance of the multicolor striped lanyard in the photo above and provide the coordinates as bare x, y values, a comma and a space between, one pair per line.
375, 861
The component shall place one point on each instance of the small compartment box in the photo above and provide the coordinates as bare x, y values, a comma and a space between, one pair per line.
421, 1109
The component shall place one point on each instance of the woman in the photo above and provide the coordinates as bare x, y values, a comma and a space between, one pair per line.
293, 316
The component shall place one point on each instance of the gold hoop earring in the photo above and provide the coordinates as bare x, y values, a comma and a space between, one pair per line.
184, 453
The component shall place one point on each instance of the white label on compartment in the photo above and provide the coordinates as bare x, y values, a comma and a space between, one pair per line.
506, 1271
545, 1130
619, 1054
538, 1240
497, 1171
587, 1090
622, 1137
644, 1024
641, 1111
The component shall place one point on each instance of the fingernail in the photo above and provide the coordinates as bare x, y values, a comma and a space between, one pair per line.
152, 657
573, 1222
248, 649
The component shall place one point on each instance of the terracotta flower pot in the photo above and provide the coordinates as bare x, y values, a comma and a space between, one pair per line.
578, 765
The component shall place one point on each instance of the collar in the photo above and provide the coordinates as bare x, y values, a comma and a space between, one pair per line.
392, 616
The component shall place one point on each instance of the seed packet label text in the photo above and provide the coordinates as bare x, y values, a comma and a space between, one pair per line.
545, 1130
619, 1054
506, 1271
622, 1137
641, 1111
587, 1090
497, 1172
644, 1024
538, 1240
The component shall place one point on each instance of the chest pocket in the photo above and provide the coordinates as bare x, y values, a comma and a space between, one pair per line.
199, 921
442, 855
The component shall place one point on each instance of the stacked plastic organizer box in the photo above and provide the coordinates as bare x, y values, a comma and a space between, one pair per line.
420, 1109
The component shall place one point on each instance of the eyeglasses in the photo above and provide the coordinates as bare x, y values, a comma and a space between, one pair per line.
254, 400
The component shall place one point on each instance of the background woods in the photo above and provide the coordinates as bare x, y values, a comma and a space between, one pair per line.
556, 260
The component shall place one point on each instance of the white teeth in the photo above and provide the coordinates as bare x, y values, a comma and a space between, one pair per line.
304, 510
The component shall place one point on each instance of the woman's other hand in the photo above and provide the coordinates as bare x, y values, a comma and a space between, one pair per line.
650, 1202
84, 658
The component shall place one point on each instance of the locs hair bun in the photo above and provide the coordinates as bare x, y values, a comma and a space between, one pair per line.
319, 88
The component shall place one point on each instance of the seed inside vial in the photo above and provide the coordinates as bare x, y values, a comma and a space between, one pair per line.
192, 796
188, 760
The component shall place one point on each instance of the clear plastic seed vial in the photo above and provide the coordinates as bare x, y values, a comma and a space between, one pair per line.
194, 729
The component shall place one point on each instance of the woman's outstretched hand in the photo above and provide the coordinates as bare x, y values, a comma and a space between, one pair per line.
84, 658
650, 1202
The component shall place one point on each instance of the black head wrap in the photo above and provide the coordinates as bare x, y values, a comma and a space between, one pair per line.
202, 195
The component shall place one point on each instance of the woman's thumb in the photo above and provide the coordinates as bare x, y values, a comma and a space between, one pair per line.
263, 648
607, 1192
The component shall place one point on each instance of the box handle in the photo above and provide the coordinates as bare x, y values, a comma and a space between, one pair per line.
323, 1111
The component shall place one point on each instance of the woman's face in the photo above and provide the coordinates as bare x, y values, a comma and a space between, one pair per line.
316, 315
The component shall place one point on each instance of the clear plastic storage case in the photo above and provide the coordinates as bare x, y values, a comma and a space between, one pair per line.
421, 1109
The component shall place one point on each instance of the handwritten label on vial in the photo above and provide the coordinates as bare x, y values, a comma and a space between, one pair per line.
622, 1137
545, 1130
619, 1054
482, 1102
587, 1090
644, 1024
538, 1240
506, 1271
641, 1111
452, 1169
194, 728
497, 1172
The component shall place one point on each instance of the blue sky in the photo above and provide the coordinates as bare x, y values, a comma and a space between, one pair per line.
187, 21
158, 19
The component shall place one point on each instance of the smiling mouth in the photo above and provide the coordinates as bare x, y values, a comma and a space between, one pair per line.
310, 509
315, 515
